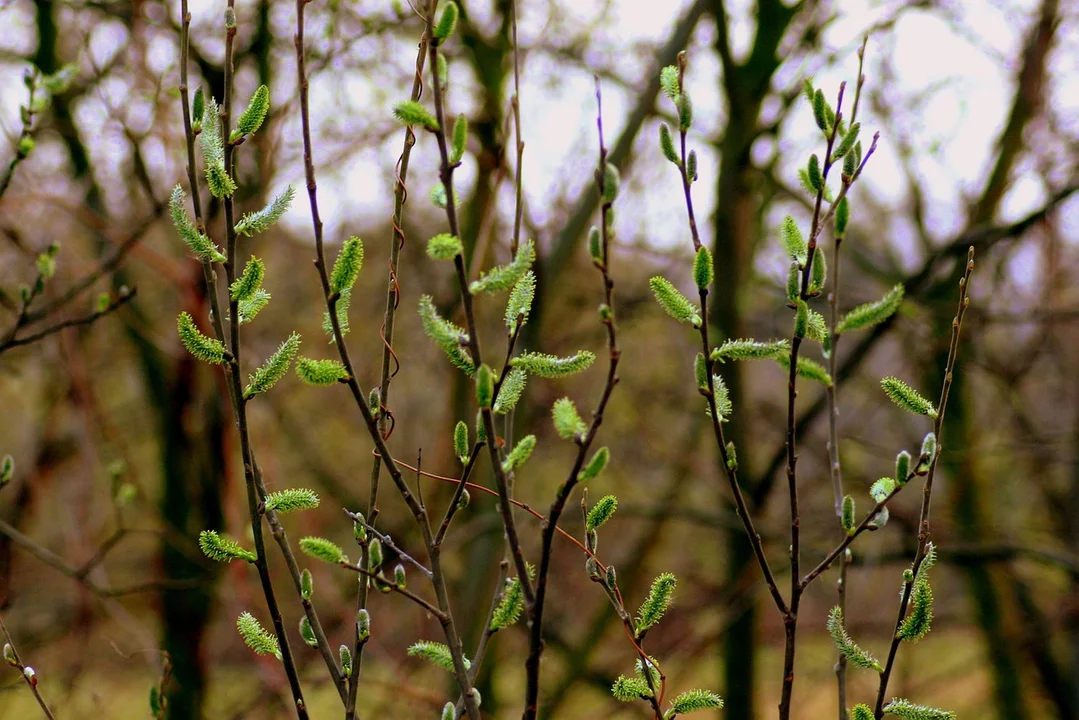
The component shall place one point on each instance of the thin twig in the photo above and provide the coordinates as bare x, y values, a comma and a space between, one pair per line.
114, 304
927, 491
28, 674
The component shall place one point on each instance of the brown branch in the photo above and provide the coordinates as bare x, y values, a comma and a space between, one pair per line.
114, 304
28, 674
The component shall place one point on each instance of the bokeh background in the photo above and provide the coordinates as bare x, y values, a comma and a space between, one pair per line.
125, 448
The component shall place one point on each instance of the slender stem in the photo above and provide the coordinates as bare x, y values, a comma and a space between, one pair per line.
518, 206
535, 638
927, 490
28, 677
393, 298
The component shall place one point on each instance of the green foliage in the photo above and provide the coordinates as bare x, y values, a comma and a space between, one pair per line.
700, 371
436, 653
666, 144
630, 689
412, 113
928, 453
323, 549
363, 624
810, 324
250, 280
902, 467
202, 247
909, 711
668, 81
204, 348
249, 307
847, 143
222, 548
485, 387
510, 392
374, 554
254, 114
846, 647
520, 453
446, 335
794, 244
601, 512
673, 302
567, 423
594, 466
459, 140
447, 23
449, 712
265, 218
292, 499
595, 246
685, 112
862, 712
399, 578
510, 605
872, 313
307, 632
818, 273
7, 470
520, 302
347, 266
847, 519
821, 112
882, 488
504, 277
693, 701
346, 660
460, 441
703, 272
213, 153
814, 178
612, 183
794, 283
751, 350
321, 372
691, 165
444, 246
198, 107
919, 619
807, 368
842, 218
550, 366
255, 637
907, 397
274, 368
307, 584
655, 605
724, 406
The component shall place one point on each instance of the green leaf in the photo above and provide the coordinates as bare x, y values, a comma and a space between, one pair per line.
550, 366
847, 519
595, 246
520, 302
223, 548
321, 372
510, 605
703, 272
460, 441
819, 271
695, 700
907, 397
666, 144
927, 454
847, 143
872, 313
919, 619
842, 218
363, 624
612, 183
520, 453
594, 466
7, 470
202, 247
794, 282
412, 113
436, 653
567, 423
630, 689
448, 22
449, 712
198, 107
673, 302
657, 602
751, 350
724, 406
444, 246
882, 488
265, 218
691, 166
814, 178
213, 153
255, 637
274, 368
347, 266
485, 387
251, 118
460, 139
700, 371
324, 550
794, 244
504, 277
250, 307
446, 335
902, 467
341, 306
292, 499
862, 712
250, 280
307, 584
820, 111
204, 348
909, 711
511, 390
346, 660
685, 112
846, 647
601, 512
307, 633
807, 368
668, 82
